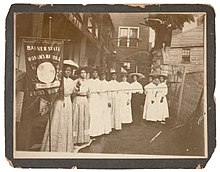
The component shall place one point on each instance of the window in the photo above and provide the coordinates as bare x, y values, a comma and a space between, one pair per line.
185, 55
128, 36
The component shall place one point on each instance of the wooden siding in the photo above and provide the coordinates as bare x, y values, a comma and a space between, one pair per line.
193, 37
194, 40
196, 59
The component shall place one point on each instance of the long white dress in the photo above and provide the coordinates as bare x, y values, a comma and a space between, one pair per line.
114, 99
105, 109
81, 116
163, 111
150, 104
125, 99
59, 132
96, 118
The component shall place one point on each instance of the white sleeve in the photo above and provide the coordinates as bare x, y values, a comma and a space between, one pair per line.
145, 90
75, 89
140, 89
165, 90
129, 92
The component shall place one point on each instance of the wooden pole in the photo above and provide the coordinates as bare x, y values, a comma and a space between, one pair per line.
181, 94
50, 24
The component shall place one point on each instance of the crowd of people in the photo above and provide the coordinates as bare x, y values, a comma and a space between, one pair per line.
93, 107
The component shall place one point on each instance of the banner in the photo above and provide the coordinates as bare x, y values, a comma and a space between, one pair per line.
44, 64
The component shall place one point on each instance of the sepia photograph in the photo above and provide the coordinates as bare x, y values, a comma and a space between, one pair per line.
110, 85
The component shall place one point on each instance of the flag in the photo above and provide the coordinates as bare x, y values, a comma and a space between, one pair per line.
44, 67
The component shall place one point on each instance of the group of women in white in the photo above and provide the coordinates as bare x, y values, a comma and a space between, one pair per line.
93, 107
155, 106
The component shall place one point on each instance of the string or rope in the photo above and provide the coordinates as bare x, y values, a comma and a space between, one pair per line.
123, 90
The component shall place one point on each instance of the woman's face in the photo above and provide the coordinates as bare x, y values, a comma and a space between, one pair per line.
114, 76
150, 79
156, 81
95, 74
83, 74
161, 79
67, 71
103, 76
124, 78
135, 78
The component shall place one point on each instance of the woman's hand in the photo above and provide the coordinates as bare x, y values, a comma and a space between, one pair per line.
128, 102
78, 84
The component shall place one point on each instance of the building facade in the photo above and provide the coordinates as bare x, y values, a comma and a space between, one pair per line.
88, 36
87, 41
131, 40
187, 49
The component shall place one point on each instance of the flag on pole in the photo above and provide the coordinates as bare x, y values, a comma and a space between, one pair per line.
44, 65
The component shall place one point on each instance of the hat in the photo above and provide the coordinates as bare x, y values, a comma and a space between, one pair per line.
70, 63
112, 71
139, 75
86, 68
163, 75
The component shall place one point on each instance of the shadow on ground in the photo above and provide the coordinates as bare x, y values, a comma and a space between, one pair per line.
149, 138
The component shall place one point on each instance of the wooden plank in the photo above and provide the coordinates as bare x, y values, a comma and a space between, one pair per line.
194, 36
181, 94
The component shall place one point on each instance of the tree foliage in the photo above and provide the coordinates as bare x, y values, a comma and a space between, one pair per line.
169, 21
164, 24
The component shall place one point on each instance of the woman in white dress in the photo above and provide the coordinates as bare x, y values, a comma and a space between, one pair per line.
137, 90
96, 118
81, 116
151, 109
104, 100
114, 101
163, 111
149, 91
58, 136
125, 96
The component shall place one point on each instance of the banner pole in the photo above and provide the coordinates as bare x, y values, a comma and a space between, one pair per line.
50, 23
50, 127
